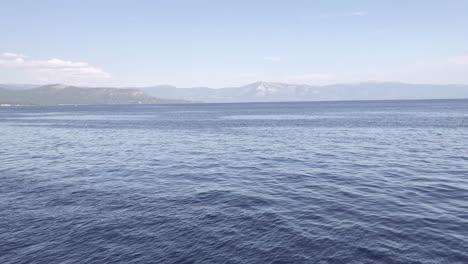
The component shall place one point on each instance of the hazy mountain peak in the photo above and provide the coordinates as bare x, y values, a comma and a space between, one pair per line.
266, 84
266, 89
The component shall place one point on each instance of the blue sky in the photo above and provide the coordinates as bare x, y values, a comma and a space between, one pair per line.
230, 43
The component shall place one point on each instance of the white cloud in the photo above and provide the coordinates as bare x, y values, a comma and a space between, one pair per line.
61, 70
12, 55
58, 63
272, 58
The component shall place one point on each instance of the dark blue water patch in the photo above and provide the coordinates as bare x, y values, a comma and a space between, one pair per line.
324, 182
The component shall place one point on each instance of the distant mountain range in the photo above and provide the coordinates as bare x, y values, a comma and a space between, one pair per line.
63, 94
269, 91
30, 94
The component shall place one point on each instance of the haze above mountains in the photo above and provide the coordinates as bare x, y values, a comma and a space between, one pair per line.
255, 92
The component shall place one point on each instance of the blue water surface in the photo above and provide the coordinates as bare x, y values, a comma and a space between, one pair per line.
305, 182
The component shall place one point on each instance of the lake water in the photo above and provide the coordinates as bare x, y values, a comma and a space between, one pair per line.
306, 182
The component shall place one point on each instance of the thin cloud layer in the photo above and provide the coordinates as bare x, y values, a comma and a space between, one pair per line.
311, 77
357, 13
460, 60
338, 15
272, 58
11, 55
60, 70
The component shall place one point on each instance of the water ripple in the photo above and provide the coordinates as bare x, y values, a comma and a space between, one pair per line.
349, 182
